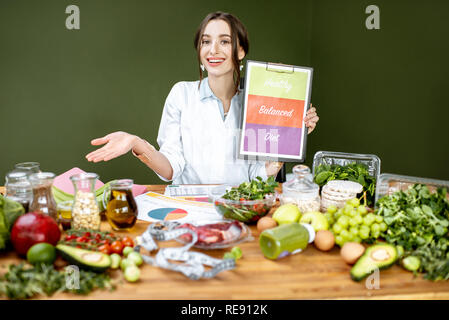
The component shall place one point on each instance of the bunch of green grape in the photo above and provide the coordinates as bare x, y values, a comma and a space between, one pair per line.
353, 223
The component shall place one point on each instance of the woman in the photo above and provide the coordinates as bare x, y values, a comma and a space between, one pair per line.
198, 134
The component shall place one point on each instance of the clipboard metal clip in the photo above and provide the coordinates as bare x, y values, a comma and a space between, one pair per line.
274, 69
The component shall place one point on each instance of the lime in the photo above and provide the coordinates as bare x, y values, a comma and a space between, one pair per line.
115, 260
41, 253
132, 273
135, 258
127, 250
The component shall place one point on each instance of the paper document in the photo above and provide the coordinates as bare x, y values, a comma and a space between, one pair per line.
180, 190
154, 206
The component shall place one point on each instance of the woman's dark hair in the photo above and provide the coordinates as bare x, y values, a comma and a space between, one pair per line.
239, 36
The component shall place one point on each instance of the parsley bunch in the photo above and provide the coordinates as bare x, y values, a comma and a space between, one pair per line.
418, 221
22, 282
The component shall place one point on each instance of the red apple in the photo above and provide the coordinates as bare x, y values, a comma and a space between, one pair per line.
32, 228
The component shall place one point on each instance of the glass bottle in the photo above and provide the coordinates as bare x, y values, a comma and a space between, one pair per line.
301, 190
18, 188
286, 239
85, 210
121, 210
43, 200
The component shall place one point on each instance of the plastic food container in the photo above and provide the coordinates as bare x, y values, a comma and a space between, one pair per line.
242, 210
388, 183
224, 233
341, 158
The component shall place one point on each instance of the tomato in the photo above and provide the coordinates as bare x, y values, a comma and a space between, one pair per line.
70, 237
117, 247
105, 248
86, 234
82, 239
98, 237
105, 241
127, 242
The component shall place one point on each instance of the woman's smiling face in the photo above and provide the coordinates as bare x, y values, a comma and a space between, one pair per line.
216, 49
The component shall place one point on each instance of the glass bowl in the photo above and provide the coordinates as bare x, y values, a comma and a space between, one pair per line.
242, 210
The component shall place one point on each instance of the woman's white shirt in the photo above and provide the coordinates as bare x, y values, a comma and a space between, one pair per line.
199, 141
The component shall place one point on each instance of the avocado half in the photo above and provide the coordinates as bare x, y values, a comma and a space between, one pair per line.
85, 259
380, 256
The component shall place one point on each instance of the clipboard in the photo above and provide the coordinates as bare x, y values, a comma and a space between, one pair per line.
276, 100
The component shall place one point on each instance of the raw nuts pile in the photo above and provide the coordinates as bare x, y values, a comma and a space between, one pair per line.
304, 205
85, 213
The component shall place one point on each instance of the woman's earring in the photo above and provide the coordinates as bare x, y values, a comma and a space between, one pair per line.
202, 67
241, 66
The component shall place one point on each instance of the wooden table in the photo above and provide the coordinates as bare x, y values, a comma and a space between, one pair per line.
311, 274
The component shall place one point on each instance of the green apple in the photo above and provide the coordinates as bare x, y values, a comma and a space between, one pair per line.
287, 213
316, 219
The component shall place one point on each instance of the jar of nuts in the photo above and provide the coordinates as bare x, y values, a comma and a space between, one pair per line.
85, 211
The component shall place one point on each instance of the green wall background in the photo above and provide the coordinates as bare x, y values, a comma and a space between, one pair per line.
383, 91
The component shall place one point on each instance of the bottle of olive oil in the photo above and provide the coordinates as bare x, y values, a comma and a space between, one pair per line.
121, 210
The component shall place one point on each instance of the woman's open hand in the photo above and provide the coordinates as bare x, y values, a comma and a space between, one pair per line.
311, 118
117, 144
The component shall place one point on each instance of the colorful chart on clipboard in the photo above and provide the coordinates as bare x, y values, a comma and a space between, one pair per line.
157, 207
275, 104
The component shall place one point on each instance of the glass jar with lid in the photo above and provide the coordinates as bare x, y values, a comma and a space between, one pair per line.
43, 200
85, 210
28, 167
301, 190
18, 188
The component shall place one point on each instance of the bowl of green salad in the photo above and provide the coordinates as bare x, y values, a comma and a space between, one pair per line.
247, 202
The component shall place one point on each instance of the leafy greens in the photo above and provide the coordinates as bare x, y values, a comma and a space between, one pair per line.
418, 221
356, 172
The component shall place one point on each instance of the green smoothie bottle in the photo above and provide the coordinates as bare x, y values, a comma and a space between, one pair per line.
285, 240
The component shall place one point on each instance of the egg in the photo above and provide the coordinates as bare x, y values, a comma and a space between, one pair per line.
351, 252
265, 223
324, 240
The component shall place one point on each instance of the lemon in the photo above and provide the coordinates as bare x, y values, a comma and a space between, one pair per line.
41, 253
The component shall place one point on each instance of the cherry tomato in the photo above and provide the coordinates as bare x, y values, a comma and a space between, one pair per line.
105, 241
127, 242
70, 237
117, 247
105, 248
79, 246
86, 234
98, 237
82, 239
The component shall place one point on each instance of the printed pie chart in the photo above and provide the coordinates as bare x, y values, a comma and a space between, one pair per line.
167, 214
